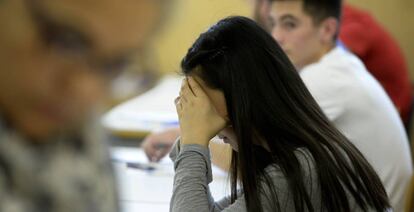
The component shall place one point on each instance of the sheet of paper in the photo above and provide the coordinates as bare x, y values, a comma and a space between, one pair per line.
153, 187
151, 111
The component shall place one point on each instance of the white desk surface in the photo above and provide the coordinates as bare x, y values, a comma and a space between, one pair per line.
150, 191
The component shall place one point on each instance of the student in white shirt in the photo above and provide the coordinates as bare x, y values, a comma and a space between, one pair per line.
347, 93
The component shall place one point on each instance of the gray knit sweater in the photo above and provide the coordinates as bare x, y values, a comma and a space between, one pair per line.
193, 174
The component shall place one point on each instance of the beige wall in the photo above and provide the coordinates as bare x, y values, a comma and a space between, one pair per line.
187, 21
398, 17
191, 17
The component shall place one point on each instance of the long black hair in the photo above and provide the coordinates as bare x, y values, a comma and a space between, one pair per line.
268, 103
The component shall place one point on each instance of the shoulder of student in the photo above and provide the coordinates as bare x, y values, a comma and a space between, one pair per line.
338, 71
281, 185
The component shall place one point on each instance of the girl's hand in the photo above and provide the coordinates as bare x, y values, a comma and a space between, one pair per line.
199, 120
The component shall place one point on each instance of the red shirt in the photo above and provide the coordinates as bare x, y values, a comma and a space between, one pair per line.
382, 56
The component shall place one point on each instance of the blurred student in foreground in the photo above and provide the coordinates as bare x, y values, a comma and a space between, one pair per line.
57, 60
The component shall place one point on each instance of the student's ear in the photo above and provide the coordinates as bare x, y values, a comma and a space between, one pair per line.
328, 29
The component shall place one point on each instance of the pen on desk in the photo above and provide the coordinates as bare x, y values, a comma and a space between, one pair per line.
141, 166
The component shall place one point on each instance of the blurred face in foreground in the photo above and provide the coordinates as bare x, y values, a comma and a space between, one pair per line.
58, 57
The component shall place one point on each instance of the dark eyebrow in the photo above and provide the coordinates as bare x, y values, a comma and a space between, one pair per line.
288, 17
49, 25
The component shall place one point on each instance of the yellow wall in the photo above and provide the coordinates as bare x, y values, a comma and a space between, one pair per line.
189, 18
398, 17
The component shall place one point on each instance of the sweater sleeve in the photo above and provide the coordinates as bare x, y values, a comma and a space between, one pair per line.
192, 175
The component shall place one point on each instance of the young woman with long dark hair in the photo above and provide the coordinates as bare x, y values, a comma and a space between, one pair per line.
287, 156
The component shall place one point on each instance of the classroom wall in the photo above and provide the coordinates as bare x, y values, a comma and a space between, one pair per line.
191, 17
188, 19
398, 17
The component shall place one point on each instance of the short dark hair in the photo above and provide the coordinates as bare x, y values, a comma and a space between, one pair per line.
320, 10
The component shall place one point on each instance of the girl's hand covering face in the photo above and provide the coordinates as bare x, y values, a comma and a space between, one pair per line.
199, 120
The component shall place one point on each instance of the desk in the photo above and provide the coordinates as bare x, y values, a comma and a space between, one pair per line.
150, 191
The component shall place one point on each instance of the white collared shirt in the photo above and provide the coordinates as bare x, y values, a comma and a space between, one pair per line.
358, 106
